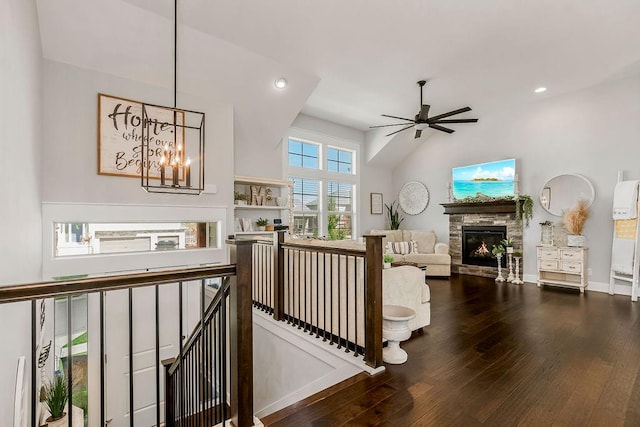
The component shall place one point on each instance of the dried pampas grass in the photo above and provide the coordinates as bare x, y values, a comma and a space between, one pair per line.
574, 219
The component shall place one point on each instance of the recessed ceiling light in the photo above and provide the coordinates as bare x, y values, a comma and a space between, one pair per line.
280, 83
540, 89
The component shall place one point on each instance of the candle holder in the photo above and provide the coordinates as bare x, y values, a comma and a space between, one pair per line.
510, 266
499, 279
516, 280
175, 165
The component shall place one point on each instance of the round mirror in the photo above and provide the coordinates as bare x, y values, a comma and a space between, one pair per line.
564, 191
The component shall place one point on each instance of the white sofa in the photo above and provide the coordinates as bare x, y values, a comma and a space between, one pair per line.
434, 254
405, 286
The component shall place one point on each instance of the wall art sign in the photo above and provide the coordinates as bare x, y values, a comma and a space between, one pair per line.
120, 124
376, 203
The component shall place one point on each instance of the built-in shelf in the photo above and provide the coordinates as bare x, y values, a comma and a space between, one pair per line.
269, 207
254, 232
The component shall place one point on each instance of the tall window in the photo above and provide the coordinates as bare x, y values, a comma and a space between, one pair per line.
324, 188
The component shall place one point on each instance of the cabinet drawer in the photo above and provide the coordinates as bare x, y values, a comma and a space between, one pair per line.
571, 254
545, 264
571, 267
548, 253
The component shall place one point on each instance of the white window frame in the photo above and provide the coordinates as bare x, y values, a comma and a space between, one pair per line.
323, 175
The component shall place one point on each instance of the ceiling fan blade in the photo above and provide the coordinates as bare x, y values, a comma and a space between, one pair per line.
442, 128
456, 121
418, 133
450, 113
396, 117
384, 126
424, 112
392, 133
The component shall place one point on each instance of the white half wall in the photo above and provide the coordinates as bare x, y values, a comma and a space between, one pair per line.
593, 132
20, 182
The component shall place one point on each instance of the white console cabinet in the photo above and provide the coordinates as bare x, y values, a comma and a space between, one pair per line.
563, 266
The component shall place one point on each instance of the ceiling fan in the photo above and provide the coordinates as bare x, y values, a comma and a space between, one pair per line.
422, 121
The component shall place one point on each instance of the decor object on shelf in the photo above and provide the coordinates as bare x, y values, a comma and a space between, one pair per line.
516, 280
497, 252
422, 119
241, 199
56, 394
387, 259
262, 223
376, 203
565, 190
414, 197
493, 180
182, 155
573, 222
563, 266
395, 328
393, 216
546, 233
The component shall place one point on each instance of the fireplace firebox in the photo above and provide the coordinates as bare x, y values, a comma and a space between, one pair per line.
477, 243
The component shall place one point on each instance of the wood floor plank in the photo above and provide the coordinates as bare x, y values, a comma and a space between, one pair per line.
499, 355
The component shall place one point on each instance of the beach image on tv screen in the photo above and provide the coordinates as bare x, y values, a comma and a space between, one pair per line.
493, 179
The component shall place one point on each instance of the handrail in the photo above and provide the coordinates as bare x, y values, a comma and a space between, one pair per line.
38, 290
326, 249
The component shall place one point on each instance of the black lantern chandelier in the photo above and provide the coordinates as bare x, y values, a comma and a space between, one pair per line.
175, 164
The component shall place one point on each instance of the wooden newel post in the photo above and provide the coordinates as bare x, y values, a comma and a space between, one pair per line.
373, 301
241, 335
278, 283
169, 397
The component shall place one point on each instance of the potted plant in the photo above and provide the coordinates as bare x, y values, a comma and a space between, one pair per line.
262, 223
508, 244
546, 233
240, 199
56, 394
387, 259
393, 215
524, 209
573, 221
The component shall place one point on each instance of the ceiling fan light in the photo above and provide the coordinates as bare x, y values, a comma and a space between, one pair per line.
421, 126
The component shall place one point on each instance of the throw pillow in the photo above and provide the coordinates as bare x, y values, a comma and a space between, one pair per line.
401, 248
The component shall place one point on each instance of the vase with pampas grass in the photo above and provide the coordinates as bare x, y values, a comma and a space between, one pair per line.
573, 221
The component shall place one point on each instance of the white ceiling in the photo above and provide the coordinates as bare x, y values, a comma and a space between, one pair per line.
367, 55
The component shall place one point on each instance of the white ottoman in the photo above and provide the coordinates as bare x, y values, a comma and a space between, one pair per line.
395, 328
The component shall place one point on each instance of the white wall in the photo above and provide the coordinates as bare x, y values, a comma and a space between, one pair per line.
20, 102
593, 132
372, 179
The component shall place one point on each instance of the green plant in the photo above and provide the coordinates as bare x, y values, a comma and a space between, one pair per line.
507, 243
517, 254
387, 259
524, 209
261, 222
393, 215
240, 196
497, 250
56, 394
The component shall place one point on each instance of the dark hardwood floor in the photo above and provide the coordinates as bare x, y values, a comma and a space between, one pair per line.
499, 355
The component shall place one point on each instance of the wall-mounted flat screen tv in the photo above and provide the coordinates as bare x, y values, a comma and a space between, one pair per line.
493, 179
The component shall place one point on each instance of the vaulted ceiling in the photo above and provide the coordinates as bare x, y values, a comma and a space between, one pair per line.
350, 61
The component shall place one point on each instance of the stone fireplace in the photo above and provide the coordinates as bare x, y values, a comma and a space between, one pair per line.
482, 222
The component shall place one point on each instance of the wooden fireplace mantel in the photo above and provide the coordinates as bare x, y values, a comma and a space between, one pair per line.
498, 206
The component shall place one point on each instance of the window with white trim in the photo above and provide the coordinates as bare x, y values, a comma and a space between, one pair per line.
324, 189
